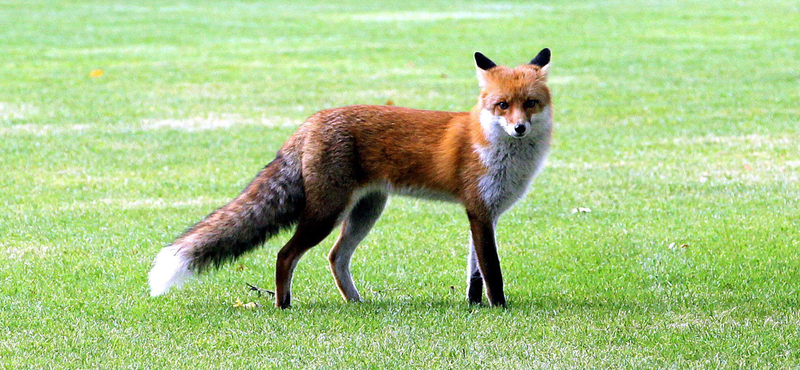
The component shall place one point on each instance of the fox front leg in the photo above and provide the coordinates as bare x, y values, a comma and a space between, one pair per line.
488, 262
474, 277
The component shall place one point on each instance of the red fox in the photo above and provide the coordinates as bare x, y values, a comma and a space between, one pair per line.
341, 164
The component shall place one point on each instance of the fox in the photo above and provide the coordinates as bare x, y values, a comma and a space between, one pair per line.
341, 165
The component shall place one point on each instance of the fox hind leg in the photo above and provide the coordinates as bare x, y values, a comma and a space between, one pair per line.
311, 230
357, 225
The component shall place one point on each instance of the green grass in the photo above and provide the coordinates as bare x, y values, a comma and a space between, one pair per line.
677, 122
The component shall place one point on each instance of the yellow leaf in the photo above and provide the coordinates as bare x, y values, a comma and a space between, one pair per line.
96, 73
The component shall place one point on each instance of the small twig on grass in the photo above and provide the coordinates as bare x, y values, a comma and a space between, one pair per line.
259, 290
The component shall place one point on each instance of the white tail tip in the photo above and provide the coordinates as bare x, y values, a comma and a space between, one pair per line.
170, 269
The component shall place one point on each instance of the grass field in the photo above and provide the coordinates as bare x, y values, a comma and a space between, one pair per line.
678, 125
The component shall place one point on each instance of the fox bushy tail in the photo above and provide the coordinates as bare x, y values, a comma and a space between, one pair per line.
271, 202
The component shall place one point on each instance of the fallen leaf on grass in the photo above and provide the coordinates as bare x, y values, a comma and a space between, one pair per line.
676, 246
581, 210
96, 73
248, 305
389, 102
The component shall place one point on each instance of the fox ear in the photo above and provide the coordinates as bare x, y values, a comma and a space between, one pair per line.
482, 64
542, 60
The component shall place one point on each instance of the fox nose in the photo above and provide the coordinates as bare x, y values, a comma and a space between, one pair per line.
519, 128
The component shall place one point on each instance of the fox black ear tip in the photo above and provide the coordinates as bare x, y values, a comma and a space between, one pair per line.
483, 62
542, 59
546, 53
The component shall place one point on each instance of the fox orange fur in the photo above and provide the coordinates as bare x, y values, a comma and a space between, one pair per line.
340, 166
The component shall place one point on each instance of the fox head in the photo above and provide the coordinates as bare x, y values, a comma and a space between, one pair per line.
515, 101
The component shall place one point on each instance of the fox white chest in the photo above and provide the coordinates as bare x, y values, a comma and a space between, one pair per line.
510, 169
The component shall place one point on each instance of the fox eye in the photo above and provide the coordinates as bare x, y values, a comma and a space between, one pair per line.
530, 103
502, 105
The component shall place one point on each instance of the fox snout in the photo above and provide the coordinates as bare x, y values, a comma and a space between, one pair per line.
528, 125
520, 129
517, 130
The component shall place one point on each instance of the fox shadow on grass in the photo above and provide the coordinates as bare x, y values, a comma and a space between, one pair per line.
449, 301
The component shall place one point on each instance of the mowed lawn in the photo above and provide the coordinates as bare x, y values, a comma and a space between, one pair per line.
677, 124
